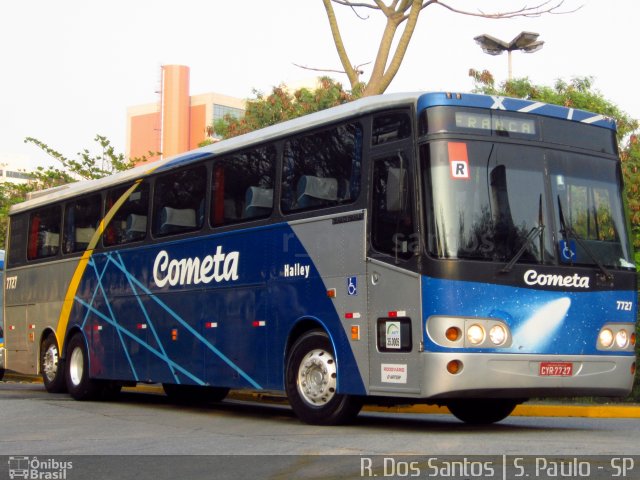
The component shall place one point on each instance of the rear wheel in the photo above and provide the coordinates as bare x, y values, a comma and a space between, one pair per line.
311, 383
51, 366
79, 384
482, 411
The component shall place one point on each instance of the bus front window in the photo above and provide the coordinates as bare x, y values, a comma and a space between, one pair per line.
588, 211
489, 202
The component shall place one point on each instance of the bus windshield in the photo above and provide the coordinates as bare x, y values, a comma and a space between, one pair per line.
493, 201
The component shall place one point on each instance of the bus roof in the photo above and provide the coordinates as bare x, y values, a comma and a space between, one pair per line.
357, 107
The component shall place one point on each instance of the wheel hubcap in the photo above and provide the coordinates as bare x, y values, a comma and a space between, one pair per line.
76, 366
317, 377
50, 363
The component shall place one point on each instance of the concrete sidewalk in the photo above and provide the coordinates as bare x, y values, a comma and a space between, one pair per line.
532, 409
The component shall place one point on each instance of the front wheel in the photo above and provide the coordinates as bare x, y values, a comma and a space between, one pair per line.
51, 366
311, 383
79, 384
482, 411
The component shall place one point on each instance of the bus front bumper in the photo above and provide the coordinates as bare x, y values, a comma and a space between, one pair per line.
524, 376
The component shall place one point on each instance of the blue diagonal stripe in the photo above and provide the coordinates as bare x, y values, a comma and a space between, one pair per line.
113, 318
196, 334
138, 340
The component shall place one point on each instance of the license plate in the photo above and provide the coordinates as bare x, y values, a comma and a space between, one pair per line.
556, 369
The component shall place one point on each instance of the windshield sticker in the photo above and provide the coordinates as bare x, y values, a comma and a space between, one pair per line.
459, 161
568, 251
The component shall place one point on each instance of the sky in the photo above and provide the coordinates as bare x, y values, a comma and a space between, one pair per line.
70, 68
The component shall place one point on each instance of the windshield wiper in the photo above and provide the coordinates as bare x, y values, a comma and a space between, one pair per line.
533, 233
569, 233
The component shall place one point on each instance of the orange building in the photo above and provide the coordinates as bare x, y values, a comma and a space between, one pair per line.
178, 122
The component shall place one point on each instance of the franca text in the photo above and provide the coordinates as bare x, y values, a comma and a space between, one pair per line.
531, 277
219, 267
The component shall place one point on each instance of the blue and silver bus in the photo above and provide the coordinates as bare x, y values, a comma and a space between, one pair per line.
454, 249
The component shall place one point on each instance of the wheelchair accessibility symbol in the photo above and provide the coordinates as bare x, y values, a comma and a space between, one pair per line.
568, 251
352, 286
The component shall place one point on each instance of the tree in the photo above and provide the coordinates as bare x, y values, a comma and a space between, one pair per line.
580, 93
281, 105
404, 13
85, 167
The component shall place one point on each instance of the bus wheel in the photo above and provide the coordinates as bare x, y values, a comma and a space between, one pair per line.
194, 394
80, 386
482, 411
311, 383
51, 366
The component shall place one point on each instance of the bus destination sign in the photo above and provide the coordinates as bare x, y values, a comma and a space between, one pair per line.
496, 123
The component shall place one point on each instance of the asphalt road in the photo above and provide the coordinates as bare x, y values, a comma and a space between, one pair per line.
247, 439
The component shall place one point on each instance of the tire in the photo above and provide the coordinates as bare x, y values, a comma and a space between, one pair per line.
311, 383
79, 384
194, 394
1, 373
482, 411
52, 366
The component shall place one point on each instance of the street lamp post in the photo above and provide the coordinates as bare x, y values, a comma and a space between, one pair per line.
526, 42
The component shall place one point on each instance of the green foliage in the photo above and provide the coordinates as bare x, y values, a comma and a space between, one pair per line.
281, 105
86, 166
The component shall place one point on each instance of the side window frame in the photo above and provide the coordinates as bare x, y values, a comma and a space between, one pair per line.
309, 184
81, 219
403, 241
175, 209
44, 240
130, 224
239, 198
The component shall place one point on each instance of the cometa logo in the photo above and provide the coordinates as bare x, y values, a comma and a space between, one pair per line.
531, 277
219, 267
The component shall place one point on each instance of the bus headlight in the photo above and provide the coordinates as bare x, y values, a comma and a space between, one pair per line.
622, 339
606, 337
618, 337
498, 335
475, 334
468, 332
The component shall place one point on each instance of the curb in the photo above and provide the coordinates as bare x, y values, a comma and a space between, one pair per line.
524, 410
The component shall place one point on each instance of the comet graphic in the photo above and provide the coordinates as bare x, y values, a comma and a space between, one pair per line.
539, 329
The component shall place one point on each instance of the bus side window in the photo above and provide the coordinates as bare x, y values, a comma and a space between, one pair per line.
179, 201
242, 187
18, 234
322, 169
390, 127
392, 224
81, 219
129, 224
44, 233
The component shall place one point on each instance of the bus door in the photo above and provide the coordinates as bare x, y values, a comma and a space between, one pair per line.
394, 290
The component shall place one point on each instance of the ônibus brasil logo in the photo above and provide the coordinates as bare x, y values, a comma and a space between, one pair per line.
38, 469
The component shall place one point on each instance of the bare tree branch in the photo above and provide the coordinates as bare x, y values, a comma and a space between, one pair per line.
547, 7
389, 57
354, 78
357, 68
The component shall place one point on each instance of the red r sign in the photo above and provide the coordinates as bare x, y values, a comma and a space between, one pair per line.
458, 161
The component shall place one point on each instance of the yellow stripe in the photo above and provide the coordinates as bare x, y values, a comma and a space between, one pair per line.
65, 313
